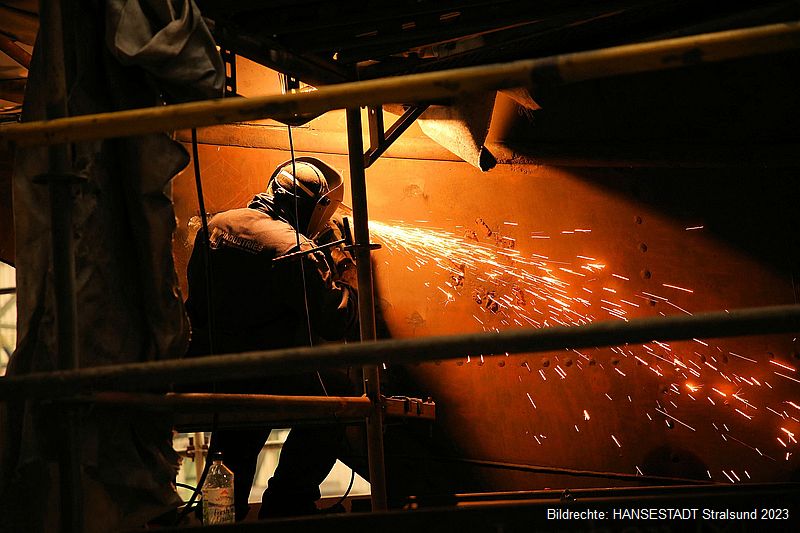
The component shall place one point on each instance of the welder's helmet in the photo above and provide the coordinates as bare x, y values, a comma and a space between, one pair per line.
316, 187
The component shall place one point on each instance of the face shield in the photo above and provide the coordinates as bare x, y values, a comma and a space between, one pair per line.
318, 188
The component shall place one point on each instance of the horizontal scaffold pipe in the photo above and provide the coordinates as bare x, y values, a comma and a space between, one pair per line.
198, 402
432, 86
753, 321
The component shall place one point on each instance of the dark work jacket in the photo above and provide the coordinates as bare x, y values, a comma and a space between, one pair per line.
258, 305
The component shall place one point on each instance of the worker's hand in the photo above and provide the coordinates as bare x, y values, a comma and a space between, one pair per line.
341, 260
344, 265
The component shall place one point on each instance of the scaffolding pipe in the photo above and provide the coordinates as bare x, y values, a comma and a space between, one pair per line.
59, 182
447, 84
753, 321
685, 487
559, 471
366, 308
279, 407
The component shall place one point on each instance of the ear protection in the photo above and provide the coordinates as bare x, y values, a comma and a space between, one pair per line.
285, 188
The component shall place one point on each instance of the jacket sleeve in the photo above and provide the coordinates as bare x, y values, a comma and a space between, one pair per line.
332, 306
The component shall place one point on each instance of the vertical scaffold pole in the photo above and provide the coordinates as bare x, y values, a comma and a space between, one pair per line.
366, 306
59, 180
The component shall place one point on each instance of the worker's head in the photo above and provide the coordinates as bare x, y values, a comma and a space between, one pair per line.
310, 185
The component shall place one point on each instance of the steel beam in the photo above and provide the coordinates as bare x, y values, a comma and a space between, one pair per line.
310, 69
15, 52
644, 154
442, 85
380, 140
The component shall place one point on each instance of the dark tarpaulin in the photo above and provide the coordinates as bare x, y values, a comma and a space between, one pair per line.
119, 55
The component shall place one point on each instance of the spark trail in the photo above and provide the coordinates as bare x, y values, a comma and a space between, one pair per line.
511, 289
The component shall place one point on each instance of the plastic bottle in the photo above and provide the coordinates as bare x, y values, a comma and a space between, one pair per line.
218, 493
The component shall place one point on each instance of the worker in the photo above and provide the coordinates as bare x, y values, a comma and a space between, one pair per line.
258, 304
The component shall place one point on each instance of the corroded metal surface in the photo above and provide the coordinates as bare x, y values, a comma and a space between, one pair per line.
466, 251
632, 410
641, 243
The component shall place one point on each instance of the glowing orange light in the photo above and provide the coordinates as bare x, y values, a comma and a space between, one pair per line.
782, 365
692, 387
678, 288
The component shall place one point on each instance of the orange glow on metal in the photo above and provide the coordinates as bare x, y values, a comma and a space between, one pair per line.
516, 289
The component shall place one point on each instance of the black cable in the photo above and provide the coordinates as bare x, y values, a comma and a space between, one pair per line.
346, 493
305, 294
206, 242
302, 264
185, 486
297, 237
352, 472
209, 310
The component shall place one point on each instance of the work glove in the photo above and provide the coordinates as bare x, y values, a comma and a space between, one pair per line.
341, 260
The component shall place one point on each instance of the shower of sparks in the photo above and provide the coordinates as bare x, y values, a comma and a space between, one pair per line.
510, 288
676, 287
692, 387
675, 419
531, 400
778, 363
743, 357
655, 296
787, 377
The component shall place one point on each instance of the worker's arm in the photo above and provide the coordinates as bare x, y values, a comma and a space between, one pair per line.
332, 305
341, 261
